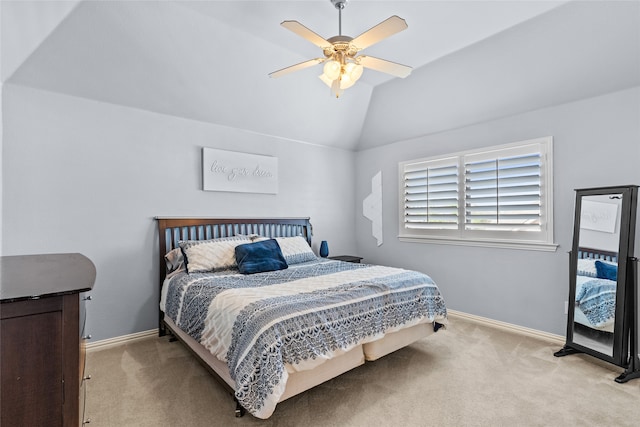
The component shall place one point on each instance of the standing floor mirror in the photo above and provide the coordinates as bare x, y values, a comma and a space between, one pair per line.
602, 317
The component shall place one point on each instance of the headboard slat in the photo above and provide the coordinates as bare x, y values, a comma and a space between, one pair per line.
590, 253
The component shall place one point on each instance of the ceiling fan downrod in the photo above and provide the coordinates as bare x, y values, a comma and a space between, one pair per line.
339, 4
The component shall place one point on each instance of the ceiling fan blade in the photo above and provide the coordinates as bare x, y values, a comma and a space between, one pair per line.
306, 33
296, 67
385, 66
386, 28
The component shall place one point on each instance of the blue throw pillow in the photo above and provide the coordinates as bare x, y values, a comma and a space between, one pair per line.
259, 257
606, 271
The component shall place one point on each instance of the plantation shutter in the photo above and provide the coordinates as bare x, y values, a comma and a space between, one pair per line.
499, 196
431, 195
503, 192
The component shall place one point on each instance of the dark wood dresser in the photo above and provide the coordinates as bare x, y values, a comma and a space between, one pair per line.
41, 356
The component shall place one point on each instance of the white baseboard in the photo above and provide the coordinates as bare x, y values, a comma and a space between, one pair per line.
556, 339
123, 339
534, 333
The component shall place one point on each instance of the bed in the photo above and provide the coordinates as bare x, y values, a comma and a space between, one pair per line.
267, 330
596, 282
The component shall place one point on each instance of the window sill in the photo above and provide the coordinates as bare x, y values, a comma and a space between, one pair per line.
511, 244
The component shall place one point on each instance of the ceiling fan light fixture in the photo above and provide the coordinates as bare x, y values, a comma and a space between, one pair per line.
346, 82
332, 69
354, 71
337, 86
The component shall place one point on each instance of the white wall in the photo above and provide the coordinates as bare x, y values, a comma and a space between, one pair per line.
89, 177
596, 143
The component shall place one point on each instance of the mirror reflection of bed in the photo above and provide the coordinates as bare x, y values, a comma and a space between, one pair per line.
594, 313
596, 276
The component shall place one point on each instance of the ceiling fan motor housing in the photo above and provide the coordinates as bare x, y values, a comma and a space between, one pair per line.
340, 44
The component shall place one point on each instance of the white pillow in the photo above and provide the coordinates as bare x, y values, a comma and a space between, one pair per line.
587, 267
174, 260
295, 249
211, 255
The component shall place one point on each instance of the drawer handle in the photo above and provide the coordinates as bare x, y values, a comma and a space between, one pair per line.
86, 337
88, 377
88, 298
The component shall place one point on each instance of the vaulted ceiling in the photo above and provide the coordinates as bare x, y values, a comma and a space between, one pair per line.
209, 60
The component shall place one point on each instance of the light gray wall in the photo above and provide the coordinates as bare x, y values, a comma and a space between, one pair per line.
1, 162
166, 57
579, 50
596, 143
89, 177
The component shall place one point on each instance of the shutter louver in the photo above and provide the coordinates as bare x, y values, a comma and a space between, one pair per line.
431, 195
503, 193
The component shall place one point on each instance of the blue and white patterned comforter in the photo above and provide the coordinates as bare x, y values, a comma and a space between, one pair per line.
261, 324
597, 300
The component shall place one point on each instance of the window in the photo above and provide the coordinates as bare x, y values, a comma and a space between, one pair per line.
498, 196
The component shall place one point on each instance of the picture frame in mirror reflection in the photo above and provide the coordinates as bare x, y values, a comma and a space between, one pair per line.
599, 216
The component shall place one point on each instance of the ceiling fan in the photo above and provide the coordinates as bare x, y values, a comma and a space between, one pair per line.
343, 66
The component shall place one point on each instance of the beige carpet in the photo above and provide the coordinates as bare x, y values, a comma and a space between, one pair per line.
466, 375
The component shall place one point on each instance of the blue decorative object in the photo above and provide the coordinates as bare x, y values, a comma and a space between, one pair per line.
324, 249
259, 257
606, 271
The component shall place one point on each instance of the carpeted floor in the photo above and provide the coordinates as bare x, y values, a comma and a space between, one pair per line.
466, 375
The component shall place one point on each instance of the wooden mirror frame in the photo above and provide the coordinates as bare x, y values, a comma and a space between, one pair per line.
625, 349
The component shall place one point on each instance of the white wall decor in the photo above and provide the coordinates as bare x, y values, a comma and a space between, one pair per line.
224, 170
599, 216
372, 207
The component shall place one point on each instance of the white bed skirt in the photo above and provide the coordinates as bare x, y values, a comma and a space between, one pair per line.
300, 381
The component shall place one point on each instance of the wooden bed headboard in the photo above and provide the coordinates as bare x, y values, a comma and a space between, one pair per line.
172, 230
590, 253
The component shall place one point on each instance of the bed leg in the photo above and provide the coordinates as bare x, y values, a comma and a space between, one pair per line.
171, 336
239, 409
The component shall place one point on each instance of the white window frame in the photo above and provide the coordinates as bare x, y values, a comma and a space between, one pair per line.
541, 239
